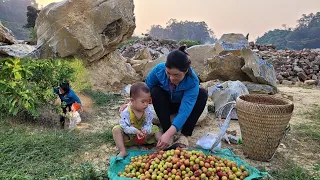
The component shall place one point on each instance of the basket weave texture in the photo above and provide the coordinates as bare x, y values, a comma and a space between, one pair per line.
263, 120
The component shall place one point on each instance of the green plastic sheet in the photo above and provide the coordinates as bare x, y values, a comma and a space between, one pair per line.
118, 166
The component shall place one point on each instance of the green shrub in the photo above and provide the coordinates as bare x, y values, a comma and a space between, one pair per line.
33, 34
27, 85
189, 43
81, 80
123, 44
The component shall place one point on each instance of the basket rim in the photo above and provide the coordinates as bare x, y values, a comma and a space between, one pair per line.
289, 102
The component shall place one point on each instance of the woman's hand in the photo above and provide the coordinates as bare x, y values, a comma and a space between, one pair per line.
163, 142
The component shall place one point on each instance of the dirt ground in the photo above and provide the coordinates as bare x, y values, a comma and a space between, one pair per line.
292, 147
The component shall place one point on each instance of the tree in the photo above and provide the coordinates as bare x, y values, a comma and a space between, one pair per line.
13, 13
276, 37
32, 15
306, 34
183, 30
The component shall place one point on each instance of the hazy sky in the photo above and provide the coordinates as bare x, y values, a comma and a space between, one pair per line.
222, 16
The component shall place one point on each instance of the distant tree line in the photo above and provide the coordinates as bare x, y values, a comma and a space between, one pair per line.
183, 30
18, 16
306, 34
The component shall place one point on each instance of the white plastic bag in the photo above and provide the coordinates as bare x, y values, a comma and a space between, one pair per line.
207, 140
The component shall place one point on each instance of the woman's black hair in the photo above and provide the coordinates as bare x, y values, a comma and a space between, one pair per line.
179, 59
65, 87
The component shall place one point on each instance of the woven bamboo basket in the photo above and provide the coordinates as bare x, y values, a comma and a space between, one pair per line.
263, 120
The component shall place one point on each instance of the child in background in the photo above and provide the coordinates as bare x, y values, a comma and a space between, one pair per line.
67, 97
74, 115
136, 121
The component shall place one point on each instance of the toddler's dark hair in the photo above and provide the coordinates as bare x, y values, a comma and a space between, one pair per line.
136, 88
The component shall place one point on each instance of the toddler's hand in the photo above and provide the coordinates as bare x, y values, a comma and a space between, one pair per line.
140, 134
144, 132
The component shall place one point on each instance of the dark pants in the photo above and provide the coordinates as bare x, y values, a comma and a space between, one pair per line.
164, 108
62, 118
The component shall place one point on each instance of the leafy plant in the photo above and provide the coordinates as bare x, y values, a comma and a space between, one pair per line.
80, 80
33, 34
26, 84
123, 44
189, 43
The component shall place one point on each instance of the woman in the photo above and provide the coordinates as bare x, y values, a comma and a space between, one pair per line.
67, 97
175, 89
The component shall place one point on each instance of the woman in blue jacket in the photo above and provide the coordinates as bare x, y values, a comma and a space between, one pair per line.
67, 97
175, 89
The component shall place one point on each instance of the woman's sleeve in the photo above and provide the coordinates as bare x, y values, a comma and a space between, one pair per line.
152, 80
187, 103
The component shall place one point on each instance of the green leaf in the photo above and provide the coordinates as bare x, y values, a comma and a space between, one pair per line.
13, 84
17, 76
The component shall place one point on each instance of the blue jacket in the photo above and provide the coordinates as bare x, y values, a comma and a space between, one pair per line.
69, 98
185, 93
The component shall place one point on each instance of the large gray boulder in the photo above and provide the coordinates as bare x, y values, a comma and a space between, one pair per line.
199, 55
88, 29
112, 73
16, 50
151, 64
226, 67
258, 70
232, 42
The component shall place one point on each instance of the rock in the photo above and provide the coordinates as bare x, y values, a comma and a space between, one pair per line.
210, 105
132, 62
286, 82
210, 85
165, 51
6, 35
227, 92
297, 69
199, 55
143, 54
314, 77
112, 73
260, 88
298, 83
302, 76
279, 77
310, 82
149, 66
226, 67
154, 53
207, 84
232, 42
16, 50
155, 47
139, 68
86, 29
204, 114
257, 69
